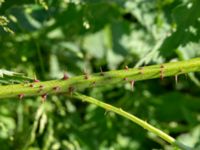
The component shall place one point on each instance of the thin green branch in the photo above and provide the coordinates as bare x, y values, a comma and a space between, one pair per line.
101, 78
131, 117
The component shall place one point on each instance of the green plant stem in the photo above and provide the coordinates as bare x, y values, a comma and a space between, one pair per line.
101, 78
131, 117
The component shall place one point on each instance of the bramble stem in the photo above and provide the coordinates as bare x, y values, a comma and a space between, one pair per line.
101, 78
104, 78
131, 117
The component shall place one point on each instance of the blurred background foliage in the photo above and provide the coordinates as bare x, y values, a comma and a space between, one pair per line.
45, 38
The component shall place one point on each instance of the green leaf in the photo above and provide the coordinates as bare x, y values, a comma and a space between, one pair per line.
187, 19
8, 77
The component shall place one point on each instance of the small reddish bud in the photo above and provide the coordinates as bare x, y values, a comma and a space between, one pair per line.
65, 76
21, 96
132, 82
126, 68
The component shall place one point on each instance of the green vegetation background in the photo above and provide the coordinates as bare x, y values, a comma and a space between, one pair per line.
51, 37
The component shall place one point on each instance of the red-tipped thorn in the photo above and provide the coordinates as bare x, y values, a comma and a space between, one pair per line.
125, 79
56, 88
93, 83
132, 82
36, 80
71, 90
162, 66
44, 97
86, 76
31, 85
161, 74
65, 76
41, 87
126, 68
21, 96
